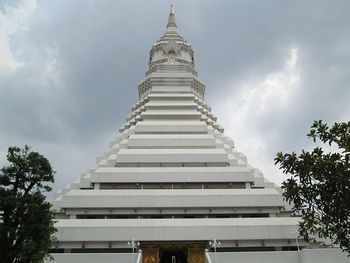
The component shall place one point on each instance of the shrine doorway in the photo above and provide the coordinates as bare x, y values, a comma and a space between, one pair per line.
173, 252
173, 255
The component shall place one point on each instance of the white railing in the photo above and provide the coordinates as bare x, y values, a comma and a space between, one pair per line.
207, 256
139, 257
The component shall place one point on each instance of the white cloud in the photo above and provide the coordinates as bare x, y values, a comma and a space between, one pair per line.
255, 100
12, 20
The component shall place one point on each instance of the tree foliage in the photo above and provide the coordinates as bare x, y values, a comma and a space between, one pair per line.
319, 186
26, 219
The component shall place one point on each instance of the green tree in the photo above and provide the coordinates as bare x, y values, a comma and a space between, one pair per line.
26, 218
319, 186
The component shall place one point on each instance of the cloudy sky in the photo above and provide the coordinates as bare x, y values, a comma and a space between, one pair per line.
69, 71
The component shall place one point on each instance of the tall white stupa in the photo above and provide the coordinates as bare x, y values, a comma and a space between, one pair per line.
171, 185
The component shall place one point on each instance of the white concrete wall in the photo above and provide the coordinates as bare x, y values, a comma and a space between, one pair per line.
171, 126
272, 228
306, 256
171, 156
172, 174
172, 198
94, 258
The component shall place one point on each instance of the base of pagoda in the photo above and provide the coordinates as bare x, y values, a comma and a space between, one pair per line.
173, 252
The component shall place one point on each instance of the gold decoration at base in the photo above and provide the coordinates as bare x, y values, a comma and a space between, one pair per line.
196, 255
150, 256
194, 251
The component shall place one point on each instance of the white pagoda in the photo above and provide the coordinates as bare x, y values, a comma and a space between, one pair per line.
173, 188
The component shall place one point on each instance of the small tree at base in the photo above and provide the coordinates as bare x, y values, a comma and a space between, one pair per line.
319, 186
26, 222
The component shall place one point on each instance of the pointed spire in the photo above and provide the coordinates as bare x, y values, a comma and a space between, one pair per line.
171, 21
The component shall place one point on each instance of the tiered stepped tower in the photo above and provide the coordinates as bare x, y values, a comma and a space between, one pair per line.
171, 180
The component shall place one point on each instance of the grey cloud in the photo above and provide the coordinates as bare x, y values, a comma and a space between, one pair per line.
101, 48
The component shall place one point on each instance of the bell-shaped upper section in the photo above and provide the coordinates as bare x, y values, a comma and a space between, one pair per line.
171, 65
171, 49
